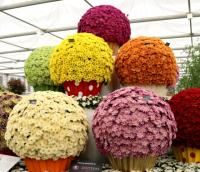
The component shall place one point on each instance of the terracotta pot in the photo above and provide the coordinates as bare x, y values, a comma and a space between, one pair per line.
60, 165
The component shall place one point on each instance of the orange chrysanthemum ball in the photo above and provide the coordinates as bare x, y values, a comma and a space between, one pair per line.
146, 61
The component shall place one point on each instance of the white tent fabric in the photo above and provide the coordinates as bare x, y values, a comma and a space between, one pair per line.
21, 28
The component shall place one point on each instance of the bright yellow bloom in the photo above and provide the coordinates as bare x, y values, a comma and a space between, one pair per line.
82, 56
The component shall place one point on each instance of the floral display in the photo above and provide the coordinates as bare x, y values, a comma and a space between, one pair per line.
146, 61
47, 125
185, 106
107, 22
140, 118
37, 69
16, 86
88, 101
82, 62
7, 102
133, 122
82, 56
163, 164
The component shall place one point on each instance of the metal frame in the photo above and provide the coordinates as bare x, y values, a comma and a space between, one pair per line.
4, 9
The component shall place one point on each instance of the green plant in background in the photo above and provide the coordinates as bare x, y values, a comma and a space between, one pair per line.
2, 88
16, 86
37, 69
191, 78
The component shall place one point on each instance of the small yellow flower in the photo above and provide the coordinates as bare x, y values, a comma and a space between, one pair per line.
82, 56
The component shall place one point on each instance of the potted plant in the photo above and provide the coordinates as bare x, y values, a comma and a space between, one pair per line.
48, 129
132, 126
185, 106
191, 78
147, 62
36, 69
16, 86
107, 22
8, 101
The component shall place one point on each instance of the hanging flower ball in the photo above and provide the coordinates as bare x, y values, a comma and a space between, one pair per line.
7, 101
146, 61
186, 108
133, 122
107, 22
47, 125
81, 58
37, 69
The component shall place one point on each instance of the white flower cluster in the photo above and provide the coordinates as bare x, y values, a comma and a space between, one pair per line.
169, 164
88, 101
47, 125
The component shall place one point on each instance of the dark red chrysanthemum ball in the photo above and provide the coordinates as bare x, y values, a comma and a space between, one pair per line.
106, 22
186, 108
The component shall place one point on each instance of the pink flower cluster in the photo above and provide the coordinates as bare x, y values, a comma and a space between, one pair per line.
133, 122
107, 22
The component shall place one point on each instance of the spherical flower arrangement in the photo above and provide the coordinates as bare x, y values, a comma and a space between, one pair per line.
132, 126
82, 62
107, 22
185, 106
146, 61
8, 101
47, 128
37, 69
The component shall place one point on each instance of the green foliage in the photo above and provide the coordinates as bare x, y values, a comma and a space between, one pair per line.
191, 78
16, 86
2, 88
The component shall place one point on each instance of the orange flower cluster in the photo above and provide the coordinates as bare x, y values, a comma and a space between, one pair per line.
146, 61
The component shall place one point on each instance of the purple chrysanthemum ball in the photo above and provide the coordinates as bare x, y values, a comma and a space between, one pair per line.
133, 122
107, 22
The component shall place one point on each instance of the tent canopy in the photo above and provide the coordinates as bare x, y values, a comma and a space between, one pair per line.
26, 25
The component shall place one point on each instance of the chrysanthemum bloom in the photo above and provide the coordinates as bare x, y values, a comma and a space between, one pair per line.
37, 69
133, 125
186, 108
147, 62
82, 63
108, 23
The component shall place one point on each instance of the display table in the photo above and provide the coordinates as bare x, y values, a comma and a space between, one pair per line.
164, 164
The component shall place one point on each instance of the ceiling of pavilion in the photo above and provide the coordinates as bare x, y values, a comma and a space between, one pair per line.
25, 25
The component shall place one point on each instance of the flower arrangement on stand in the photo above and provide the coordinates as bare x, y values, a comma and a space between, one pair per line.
37, 69
48, 129
82, 63
185, 106
147, 62
132, 126
7, 102
108, 23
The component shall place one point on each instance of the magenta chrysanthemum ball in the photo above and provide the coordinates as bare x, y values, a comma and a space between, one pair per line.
107, 22
133, 122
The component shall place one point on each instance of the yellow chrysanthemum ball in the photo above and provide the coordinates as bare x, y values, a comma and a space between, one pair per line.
81, 57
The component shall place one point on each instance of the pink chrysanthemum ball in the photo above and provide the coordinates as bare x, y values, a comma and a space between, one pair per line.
133, 122
107, 22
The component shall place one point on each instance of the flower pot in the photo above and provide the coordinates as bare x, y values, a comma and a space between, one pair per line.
114, 46
60, 165
130, 164
82, 88
186, 154
91, 152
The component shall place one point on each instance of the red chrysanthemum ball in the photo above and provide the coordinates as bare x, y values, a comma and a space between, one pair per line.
107, 22
186, 108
